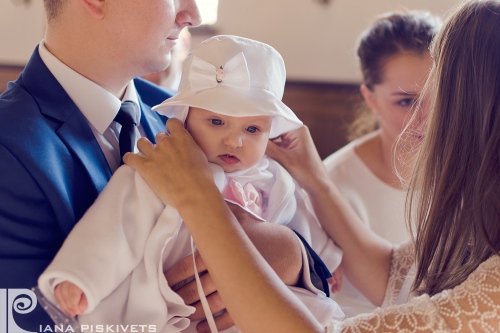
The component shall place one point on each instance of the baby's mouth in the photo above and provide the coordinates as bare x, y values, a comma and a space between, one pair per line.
229, 159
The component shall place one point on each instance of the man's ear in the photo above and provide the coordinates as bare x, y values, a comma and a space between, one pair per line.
94, 7
369, 98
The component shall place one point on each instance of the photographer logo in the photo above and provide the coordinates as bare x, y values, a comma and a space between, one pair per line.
21, 301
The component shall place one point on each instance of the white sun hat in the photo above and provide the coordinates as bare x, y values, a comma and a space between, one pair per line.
233, 76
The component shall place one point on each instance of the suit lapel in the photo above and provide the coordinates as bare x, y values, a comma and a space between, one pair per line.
73, 127
81, 141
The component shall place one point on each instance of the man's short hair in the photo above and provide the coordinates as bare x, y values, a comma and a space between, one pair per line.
52, 8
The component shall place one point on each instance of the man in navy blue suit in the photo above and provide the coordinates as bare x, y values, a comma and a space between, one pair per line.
58, 141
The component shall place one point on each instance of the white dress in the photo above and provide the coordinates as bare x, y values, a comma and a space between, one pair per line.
117, 253
472, 306
377, 204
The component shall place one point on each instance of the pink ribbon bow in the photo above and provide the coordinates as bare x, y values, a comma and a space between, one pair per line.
246, 196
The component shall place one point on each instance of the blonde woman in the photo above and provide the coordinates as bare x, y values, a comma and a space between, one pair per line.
395, 61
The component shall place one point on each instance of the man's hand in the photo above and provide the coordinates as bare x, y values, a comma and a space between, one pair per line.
179, 275
276, 243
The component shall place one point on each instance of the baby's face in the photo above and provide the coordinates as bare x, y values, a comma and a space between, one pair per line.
234, 143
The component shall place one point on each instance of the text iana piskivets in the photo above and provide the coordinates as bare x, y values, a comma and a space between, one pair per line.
98, 329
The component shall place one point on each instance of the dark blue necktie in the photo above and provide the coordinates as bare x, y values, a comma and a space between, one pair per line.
126, 117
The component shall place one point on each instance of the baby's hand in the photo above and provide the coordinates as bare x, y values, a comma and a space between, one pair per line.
71, 299
336, 280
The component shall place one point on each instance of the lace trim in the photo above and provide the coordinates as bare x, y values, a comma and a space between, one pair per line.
403, 257
473, 306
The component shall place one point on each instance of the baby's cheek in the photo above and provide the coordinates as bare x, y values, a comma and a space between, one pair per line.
250, 161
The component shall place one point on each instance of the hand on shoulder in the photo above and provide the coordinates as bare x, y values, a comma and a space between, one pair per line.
175, 167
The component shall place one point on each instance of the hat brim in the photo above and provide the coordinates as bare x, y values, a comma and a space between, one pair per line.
233, 102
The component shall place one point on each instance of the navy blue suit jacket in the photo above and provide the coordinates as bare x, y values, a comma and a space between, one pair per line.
51, 171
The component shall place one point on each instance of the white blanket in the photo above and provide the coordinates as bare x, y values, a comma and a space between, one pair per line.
119, 249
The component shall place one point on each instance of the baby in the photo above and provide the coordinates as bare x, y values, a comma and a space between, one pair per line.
110, 269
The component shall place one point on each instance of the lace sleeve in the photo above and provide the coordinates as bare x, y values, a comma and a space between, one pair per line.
403, 258
473, 306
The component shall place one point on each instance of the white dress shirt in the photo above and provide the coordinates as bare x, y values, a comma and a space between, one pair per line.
97, 104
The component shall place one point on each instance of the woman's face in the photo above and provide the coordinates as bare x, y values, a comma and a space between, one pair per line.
392, 100
234, 143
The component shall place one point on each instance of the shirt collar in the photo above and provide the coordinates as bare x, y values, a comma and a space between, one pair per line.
97, 104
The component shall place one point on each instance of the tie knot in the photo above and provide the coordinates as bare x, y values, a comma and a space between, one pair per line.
127, 114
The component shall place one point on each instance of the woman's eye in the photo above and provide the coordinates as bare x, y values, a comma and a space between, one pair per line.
252, 129
405, 102
216, 122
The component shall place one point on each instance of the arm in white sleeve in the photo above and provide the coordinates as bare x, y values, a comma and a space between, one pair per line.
108, 242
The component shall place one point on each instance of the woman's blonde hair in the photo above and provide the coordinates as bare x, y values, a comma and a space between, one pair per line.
456, 182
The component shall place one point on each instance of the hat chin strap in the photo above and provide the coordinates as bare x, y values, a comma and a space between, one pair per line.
201, 293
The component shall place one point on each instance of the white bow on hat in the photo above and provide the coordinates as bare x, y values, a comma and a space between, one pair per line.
203, 75
233, 76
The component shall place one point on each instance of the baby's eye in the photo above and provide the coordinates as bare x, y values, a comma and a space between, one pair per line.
406, 102
252, 129
216, 122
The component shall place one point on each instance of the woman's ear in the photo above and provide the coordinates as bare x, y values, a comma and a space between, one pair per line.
94, 7
369, 98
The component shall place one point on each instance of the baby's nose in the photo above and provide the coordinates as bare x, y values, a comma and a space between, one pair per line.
233, 140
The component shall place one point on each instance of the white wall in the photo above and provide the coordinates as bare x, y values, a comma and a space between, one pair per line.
22, 26
317, 41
